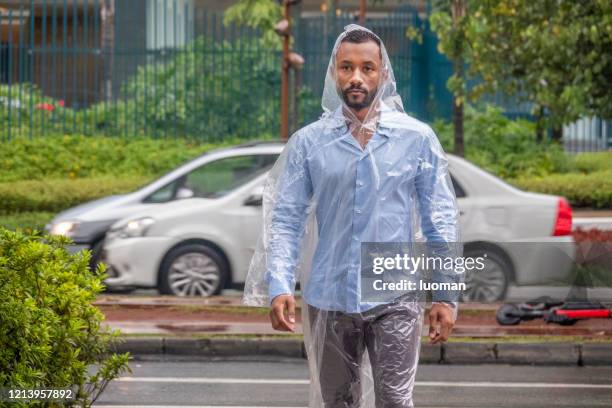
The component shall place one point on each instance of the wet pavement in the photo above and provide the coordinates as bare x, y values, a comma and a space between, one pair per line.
224, 315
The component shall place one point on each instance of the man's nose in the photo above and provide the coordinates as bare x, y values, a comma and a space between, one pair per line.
356, 78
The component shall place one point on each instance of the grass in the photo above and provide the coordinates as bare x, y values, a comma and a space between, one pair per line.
239, 310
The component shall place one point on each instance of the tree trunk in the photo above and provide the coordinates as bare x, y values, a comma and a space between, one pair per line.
458, 13
458, 149
557, 134
539, 113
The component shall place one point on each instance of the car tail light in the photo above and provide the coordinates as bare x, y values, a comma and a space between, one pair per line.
563, 223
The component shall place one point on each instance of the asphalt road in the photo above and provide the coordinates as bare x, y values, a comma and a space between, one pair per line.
284, 383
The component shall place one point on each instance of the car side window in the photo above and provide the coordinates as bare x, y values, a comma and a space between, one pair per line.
166, 193
218, 178
459, 191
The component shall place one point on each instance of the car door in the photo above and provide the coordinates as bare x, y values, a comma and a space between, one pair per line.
238, 221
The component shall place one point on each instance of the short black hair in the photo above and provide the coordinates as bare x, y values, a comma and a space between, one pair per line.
360, 36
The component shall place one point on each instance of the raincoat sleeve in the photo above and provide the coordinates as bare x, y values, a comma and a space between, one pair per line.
438, 211
288, 216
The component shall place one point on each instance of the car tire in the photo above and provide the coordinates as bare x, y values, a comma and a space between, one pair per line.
491, 284
193, 270
96, 251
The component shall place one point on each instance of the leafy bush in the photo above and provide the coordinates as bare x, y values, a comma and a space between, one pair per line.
80, 156
503, 146
59, 194
508, 148
207, 90
592, 162
24, 105
51, 333
590, 190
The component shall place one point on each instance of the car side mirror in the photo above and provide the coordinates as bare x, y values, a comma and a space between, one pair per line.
256, 198
184, 192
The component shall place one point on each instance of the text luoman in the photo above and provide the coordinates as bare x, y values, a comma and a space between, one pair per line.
406, 285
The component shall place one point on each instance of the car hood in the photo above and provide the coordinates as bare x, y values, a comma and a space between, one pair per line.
170, 210
84, 210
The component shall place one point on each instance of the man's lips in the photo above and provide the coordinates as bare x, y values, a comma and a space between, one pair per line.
356, 91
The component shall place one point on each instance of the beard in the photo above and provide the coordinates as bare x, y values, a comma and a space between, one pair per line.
367, 100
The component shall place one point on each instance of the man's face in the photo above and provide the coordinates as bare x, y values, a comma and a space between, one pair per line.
358, 71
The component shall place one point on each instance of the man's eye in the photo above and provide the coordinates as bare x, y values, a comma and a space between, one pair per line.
367, 69
345, 68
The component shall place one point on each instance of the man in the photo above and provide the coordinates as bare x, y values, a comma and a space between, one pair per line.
364, 172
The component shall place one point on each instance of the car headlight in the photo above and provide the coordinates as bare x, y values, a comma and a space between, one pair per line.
136, 228
65, 228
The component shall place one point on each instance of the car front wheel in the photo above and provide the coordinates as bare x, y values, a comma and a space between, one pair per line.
192, 270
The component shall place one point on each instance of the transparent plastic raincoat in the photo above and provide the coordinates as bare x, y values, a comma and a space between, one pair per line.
339, 183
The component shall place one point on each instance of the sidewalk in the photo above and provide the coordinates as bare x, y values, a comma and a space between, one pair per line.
220, 326
579, 213
588, 219
225, 315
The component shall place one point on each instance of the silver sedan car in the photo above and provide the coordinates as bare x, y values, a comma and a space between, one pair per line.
200, 235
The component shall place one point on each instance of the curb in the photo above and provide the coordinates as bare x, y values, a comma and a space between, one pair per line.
540, 354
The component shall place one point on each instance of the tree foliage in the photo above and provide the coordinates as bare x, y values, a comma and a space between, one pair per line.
260, 14
552, 53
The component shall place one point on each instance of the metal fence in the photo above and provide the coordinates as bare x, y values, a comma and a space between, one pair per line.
587, 135
151, 67
170, 68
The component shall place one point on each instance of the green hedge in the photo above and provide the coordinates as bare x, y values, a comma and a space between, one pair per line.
72, 157
27, 220
591, 162
582, 190
59, 194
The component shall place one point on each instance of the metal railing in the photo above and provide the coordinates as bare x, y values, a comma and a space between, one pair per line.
170, 68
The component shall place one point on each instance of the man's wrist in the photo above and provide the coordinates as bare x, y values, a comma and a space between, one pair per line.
280, 287
447, 303
280, 294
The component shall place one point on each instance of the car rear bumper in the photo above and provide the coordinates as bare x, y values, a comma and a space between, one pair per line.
134, 261
542, 261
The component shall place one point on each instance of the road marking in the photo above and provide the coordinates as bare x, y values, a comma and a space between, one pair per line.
493, 384
279, 381
203, 380
183, 406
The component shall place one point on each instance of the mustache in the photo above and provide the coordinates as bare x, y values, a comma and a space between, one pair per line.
355, 88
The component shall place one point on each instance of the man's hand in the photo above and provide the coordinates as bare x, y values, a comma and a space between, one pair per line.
280, 305
440, 323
